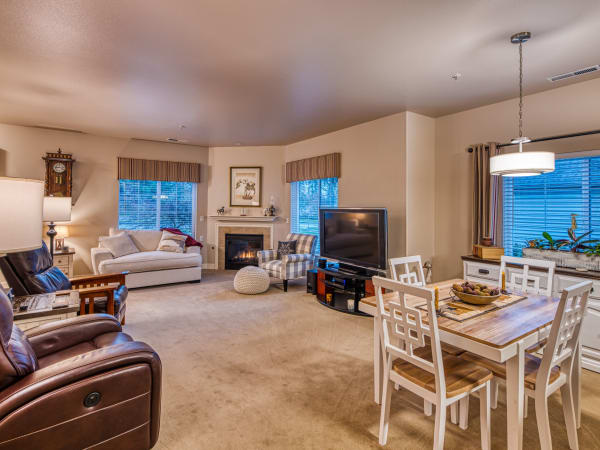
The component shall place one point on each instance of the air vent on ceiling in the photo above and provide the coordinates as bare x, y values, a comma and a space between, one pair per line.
575, 73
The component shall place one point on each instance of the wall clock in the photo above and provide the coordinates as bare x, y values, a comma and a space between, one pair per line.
59, 174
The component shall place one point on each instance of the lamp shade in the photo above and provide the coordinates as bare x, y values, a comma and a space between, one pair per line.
522, 164
20, 214
57, 209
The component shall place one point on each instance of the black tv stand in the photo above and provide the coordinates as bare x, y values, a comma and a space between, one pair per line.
341, 288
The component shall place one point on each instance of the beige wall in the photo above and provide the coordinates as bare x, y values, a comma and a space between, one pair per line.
95, 186
373, 169
420, 186
271, 159
559, 111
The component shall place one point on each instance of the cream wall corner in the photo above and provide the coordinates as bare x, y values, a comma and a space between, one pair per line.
271, 159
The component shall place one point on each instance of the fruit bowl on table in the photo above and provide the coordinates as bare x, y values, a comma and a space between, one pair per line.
475, 293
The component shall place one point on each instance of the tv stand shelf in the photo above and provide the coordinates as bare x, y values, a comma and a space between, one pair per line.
345, 289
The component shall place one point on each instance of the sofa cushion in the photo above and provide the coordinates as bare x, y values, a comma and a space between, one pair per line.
148, 261
119, 244
145, 240
171, 242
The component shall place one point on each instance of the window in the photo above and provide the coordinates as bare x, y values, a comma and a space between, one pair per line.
307, 198
541, 203
150, 205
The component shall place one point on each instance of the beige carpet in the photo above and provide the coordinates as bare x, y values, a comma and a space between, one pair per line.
278, 370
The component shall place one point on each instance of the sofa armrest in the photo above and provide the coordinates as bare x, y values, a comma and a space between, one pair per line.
297, 257
100, 254
193, 249
56, 336
72, 370
266, 256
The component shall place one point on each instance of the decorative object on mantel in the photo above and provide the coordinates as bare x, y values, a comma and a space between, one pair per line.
245, 186
324, 166
59, 174
521, 164
243, 212
271, 210
221, 211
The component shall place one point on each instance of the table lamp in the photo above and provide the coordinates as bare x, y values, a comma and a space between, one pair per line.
56, 209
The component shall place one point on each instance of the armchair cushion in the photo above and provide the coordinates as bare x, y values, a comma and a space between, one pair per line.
265, 256
285, 248
306, 242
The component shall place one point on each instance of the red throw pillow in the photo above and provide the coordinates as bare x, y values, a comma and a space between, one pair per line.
189, 242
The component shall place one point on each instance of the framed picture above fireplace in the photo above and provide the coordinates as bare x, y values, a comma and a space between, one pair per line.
245, 186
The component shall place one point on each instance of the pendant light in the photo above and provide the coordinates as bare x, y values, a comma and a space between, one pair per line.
521, 164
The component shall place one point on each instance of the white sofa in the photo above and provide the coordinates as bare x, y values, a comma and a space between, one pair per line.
149, 267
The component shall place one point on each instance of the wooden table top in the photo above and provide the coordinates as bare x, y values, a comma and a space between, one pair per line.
497, 328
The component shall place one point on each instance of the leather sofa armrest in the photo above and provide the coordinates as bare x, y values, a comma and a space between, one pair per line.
56, 336
99, 254
72, 370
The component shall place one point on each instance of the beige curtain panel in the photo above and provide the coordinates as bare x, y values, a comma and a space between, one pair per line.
147, 169
487, 198
324, 166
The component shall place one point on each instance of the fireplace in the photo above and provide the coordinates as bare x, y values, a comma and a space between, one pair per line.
242, 250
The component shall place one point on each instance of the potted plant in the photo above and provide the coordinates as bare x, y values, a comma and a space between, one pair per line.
575, 252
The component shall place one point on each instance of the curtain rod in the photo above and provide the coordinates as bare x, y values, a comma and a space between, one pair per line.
549, 138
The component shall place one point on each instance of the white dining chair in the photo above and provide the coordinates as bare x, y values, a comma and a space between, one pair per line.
526, 278
554, 370
409, 270
419, 366
412, 272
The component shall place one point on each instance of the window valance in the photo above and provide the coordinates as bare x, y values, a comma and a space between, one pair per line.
147, 169
324, 166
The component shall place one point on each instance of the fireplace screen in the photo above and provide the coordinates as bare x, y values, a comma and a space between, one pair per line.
242, 250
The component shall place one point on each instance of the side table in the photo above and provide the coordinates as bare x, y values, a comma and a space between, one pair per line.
43, 308
64, 261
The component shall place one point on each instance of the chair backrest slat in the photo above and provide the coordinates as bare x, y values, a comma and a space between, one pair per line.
413, 276
565, 331
403, 329
527, 279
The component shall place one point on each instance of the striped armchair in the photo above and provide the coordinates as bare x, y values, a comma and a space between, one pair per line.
291, 266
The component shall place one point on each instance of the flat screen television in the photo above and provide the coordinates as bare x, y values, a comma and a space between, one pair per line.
357, 236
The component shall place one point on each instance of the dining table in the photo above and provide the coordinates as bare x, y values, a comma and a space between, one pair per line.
502, 335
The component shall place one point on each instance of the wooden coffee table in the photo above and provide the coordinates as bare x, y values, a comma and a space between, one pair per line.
44, 308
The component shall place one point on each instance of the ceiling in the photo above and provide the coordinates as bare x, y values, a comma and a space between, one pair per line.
274, 71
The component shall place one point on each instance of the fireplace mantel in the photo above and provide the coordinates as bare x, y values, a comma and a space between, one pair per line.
244, 218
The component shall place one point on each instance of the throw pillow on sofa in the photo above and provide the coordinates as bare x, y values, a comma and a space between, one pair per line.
119, 244
171, 242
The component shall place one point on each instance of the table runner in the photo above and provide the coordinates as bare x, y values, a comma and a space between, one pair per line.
455, 309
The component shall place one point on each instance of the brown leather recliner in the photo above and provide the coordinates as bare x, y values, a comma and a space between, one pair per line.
32, 272
76, 383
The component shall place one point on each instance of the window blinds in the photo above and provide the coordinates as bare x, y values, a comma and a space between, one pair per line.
150, 205
307, 197
541, 203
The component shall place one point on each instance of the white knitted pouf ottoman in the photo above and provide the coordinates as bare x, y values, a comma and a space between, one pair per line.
251, 280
